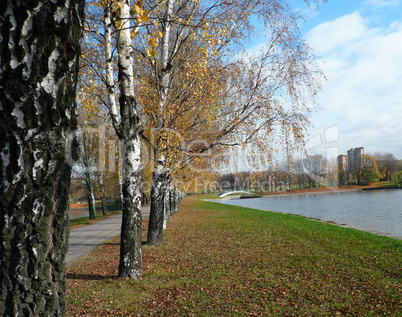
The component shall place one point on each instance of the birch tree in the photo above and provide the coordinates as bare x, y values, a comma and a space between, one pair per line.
182, 52
188, 82
39, 50
127, 124
88, 176
109, 76
256, 97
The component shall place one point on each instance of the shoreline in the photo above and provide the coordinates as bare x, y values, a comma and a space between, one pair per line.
330, 222
321, 190
312, 192
325, 191
290, 193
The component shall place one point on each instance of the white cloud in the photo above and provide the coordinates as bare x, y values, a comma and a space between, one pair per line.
363, 93
340, 32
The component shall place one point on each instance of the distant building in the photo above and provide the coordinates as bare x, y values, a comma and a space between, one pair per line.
355, 159
351, 161
342, 163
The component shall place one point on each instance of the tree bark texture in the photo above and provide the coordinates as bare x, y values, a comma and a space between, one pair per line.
158, 205
128, 130
39, 50
160, 174
88, 179
130, 265
91, 197
168, 209
103, 196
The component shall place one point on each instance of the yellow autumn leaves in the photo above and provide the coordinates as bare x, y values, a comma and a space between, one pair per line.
189, 79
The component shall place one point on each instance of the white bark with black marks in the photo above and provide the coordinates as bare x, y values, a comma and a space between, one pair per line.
39, 46
157, 221
109, 67
128, 129
160, 181
131, 236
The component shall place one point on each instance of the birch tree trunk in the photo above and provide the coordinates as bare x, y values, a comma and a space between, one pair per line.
88, 179
103, 192
130, 265
158, 204
128, 129
160, 174
39, 50
168, 206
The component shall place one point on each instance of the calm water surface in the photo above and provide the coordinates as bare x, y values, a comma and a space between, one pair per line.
378, 210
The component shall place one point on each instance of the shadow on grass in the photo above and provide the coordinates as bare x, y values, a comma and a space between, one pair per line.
89, 277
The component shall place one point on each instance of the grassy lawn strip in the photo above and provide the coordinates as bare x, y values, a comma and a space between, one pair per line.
219, 260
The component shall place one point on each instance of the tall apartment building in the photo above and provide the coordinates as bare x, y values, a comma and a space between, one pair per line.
355, 159
342, 162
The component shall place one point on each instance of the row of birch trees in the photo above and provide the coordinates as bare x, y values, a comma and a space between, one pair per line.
177, 84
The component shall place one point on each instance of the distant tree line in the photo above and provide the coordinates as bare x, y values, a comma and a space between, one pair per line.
312, 172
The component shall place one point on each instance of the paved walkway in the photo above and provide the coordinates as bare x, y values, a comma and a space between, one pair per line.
84, 239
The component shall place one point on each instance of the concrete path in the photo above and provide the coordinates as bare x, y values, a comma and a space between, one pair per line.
84, 239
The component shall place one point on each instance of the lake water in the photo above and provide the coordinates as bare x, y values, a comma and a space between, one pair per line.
377, 210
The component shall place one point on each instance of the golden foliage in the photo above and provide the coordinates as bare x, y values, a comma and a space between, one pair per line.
196, 97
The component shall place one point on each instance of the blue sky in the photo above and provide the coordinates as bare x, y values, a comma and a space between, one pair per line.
359, 48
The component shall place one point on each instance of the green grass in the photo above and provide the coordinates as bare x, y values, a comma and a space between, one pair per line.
220, 260
206, 196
